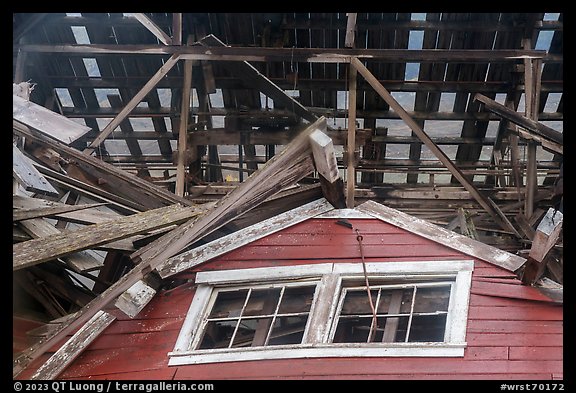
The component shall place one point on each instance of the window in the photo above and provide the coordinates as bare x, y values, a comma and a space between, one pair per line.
321, 310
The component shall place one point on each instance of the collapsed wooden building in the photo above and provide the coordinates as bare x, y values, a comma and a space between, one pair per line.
146, 140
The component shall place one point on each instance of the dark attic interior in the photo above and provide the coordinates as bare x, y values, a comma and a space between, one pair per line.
129, 127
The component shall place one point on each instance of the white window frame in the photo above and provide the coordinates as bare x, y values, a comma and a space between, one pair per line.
317, 336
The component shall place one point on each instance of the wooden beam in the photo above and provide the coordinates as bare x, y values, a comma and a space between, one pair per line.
324, 156
49, 247
547, 234
485, 202
350, 30
132, 104
73, 346
183, 131
311, 55
530, 125
153, 28
177, 28
351, 146
135, 298
48, 211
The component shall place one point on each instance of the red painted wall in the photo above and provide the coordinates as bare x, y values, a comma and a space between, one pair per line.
508, 337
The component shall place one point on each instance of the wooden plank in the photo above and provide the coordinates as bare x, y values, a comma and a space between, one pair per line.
28, 176
46, 121
530, 125
443, 236
79, 261
74, 346
153, 28
285, 168
242, 237
508, 290
484, 201
39, 250
324, 156
26, 214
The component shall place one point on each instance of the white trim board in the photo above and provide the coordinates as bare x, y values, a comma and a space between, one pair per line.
321, 208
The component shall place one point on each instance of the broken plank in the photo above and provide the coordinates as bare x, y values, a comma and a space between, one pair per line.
46, 121
39, 250
28, 176
26, 214
547, 234
133, 300
73, 347
79, 261
324, 156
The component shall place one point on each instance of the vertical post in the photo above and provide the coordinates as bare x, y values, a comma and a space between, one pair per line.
532, 92
183, 130
177, 28
351, 170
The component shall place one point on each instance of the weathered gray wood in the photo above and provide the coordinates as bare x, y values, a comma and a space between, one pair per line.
351, 145
150, 194
324, 156
443, 236
533, 126
133, 300
242, 237
28, 176
79, 261
45, 121
350, 30
316, 55
485, 202
547, 234
182, 133
26, 214
74, 346
153, 28
49, 247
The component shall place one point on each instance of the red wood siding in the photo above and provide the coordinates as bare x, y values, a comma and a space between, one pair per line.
508, 337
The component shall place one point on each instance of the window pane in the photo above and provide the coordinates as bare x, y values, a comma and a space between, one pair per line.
357, 302
431, 299
217, 334
262, 302
427, 328
252, 332
288, 330
229, 304
296, 300
353, 330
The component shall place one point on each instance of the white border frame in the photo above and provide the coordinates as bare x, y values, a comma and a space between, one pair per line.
455, 324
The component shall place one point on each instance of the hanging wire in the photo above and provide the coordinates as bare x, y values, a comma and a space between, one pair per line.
374, 324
